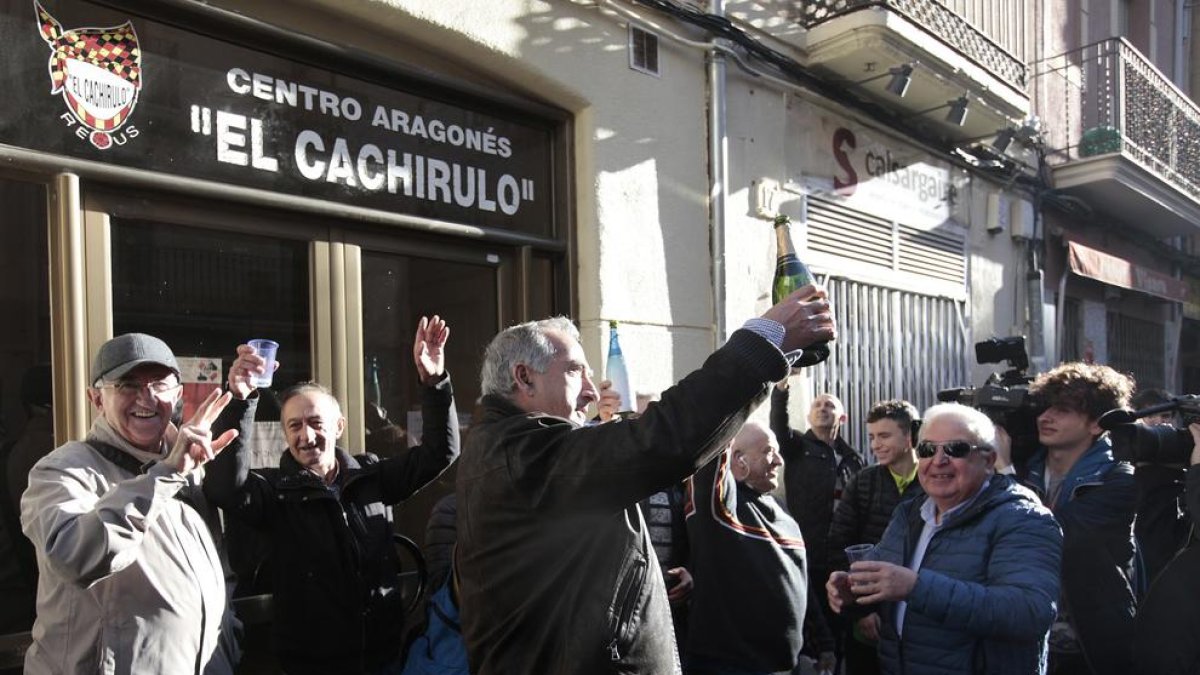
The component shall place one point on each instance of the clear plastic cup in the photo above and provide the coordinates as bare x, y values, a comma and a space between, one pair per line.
859, 552
267, 350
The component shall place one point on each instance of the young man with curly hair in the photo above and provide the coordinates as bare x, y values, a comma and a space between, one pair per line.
1093, 497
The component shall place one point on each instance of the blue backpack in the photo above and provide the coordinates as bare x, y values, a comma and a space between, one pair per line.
439, 650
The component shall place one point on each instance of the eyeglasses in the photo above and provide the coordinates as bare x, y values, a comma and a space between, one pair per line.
133, 387
955, 449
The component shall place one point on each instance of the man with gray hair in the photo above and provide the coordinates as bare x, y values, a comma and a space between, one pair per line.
966, 576
556, 571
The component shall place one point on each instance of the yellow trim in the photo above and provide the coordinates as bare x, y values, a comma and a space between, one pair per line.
68, 344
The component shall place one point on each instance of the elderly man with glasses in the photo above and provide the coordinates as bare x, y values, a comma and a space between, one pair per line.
965, 578
131, 580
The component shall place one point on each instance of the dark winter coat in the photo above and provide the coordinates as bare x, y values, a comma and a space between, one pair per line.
336, 603
986, 590
750, 571
811, 472
1095, 508
1168, 620
556, 569
865, 510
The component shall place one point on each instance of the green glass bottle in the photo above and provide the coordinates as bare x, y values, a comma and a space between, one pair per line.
791, 274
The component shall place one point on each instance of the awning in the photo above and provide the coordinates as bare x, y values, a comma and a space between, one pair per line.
1110, 269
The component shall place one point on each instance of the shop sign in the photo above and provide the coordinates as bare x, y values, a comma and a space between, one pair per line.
89, 82
1115, 271
871, 173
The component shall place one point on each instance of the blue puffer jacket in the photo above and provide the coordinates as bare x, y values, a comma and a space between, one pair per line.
986, 591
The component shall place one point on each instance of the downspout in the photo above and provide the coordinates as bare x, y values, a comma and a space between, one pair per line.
1181, 39
718, 177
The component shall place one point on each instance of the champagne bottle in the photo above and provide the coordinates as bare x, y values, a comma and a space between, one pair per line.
616, 372
791, 274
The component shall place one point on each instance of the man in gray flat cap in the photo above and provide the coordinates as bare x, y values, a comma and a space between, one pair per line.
131, 580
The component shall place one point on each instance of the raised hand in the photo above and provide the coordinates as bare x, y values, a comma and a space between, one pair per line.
194, 444
609, 403
244, 367
429, 348
806, 316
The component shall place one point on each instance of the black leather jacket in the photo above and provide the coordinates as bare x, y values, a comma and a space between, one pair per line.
334, 566
556, 571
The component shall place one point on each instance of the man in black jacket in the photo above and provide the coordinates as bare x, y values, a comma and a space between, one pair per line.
817, 465
556, 571
337, 606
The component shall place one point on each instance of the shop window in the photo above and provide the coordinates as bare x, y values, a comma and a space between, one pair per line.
397, 291
204, 293
26, 424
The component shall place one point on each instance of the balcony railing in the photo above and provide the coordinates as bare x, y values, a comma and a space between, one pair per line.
1107, 98
1004, 19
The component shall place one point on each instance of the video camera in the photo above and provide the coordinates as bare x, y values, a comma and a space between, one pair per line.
1004, 397
1154, 444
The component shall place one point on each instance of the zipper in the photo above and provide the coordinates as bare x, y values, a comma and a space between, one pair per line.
628, 592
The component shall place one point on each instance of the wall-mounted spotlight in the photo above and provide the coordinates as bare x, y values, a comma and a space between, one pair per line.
901, 77
1004, 139
957, 115
958, 111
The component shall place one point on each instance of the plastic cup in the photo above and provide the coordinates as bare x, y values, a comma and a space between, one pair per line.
859, 552
265, 349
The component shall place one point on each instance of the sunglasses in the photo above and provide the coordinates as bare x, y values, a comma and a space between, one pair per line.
954, 449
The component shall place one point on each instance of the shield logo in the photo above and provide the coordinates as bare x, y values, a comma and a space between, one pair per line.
98, 71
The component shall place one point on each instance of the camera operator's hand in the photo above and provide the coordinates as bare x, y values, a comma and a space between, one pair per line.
806, 316
1195, 429
1003, 449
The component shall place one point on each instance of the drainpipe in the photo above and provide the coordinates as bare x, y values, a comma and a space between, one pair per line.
1181, 43
718, 177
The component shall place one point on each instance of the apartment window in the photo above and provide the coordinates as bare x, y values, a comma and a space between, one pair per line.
643, 51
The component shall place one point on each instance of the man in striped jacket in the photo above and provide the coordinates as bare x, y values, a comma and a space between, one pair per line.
749, 563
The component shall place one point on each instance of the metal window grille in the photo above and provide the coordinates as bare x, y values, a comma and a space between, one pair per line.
856, 236
891, 344
643, 51
1138, 347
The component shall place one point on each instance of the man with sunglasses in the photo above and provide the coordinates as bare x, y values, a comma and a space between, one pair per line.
965, 578
1093, 497
130, 580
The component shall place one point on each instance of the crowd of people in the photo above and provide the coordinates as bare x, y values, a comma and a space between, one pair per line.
583, 541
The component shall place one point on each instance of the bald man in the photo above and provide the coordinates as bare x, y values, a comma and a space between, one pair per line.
748, 555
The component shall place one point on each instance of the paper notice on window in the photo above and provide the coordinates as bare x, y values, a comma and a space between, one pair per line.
200, 375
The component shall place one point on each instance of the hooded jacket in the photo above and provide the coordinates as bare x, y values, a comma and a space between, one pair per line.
130, 577
986, 590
